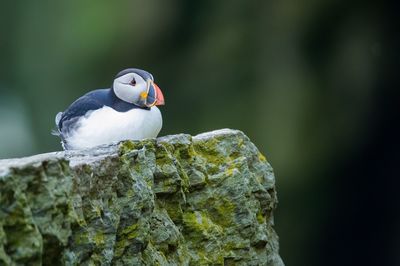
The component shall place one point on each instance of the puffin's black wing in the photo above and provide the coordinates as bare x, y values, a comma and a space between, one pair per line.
66, 120
91, 101
80, 107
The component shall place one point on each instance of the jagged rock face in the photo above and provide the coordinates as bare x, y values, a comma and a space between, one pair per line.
177, 200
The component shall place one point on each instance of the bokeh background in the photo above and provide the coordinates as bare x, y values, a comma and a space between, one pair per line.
312, 83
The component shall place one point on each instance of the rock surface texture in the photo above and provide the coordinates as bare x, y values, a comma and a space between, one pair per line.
176, 200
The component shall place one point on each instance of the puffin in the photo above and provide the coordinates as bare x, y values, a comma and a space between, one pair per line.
126, 111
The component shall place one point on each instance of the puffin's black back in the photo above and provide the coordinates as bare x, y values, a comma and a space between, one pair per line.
91, 101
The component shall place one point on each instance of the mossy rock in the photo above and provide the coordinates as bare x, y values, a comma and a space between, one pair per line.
176, 200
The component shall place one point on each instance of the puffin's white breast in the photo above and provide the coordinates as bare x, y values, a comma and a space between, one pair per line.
106, 125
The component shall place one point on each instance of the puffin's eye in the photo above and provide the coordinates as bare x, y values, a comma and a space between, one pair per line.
133, 82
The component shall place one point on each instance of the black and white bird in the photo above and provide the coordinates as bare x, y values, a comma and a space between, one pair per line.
127, 110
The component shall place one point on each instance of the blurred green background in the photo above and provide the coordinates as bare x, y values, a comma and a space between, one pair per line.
310, 82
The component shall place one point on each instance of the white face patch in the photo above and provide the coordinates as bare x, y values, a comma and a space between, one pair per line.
129, 87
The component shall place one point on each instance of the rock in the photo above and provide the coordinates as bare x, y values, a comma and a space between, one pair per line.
176, 200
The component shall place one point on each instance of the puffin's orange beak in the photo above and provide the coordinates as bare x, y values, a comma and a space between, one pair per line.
159, 95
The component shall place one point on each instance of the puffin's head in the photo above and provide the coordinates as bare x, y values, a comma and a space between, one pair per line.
137, 86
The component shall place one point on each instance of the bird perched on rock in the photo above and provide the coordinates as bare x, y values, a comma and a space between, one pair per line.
127, 110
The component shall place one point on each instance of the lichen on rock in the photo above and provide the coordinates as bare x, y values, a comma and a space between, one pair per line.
176, 200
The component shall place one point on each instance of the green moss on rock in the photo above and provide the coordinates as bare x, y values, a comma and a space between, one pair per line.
177, 200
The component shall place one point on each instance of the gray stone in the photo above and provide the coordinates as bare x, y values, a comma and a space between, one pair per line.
176, 200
